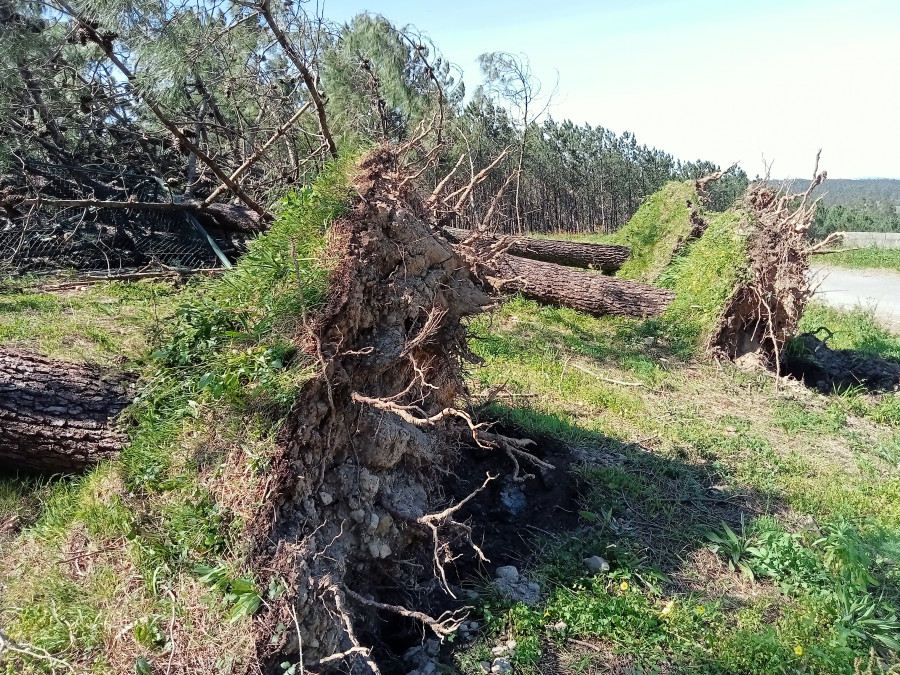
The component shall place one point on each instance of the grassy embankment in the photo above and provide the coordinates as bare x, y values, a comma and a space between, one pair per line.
804, 579
141, 564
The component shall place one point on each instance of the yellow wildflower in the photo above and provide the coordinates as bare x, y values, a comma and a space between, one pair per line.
624, 585
798, 650
700, 609
668, 607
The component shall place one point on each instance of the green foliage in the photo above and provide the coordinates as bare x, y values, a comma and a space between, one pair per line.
148, 632
401, 63
232, 338
849, 191
735, 547
861, 216
239, 594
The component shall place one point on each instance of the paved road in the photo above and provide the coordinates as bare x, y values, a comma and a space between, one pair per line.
879, 289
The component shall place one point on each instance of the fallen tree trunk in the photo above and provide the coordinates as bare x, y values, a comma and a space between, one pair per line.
604, 257
57, 417
585, 291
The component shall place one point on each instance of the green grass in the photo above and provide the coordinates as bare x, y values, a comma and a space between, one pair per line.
704, 277
653, 232
857, 329
864, 258
808, 485
653, 453
105, 323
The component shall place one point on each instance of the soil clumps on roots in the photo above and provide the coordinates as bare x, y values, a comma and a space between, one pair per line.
354, 538
763, 312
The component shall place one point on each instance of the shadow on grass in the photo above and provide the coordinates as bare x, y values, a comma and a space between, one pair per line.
649, 517
621, 501
811, 360
839, 350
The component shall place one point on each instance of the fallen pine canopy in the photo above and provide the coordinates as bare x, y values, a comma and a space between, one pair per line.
56, 416
584, 291
605, 257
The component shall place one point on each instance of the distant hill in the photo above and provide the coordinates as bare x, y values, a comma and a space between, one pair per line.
849, 191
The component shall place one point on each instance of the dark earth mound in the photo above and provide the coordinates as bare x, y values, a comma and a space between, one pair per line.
811, 360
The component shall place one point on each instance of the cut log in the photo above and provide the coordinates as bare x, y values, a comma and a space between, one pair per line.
587, 292
57, 417
604, 257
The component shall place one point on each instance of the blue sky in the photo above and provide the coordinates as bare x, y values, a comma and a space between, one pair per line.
724, 80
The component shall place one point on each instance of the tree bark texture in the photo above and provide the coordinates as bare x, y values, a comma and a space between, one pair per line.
605, 257
57, 417
584, 291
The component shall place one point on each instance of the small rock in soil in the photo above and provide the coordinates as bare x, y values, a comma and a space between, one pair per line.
499, 650
521, 590
384, 524
432, 647
485, 666
358, 515
596, 564
508, 572
560, 626
414, 655
513, 498
501, 665
326, 498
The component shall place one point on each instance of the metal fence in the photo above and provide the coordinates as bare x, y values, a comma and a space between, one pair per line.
98, 239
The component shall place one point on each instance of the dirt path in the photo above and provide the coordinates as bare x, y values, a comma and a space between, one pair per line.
847, 288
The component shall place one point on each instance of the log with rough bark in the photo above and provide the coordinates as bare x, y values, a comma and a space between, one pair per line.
585, 291
55, 416
604, 257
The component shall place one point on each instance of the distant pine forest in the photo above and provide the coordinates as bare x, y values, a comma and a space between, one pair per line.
862, 205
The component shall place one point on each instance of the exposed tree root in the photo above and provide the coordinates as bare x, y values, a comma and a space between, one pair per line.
764, 311
368, 439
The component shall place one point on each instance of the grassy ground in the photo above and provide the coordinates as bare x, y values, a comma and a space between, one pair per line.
805, 577
107, 323
864, 258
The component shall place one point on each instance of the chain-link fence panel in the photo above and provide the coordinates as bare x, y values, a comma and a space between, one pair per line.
93, 238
